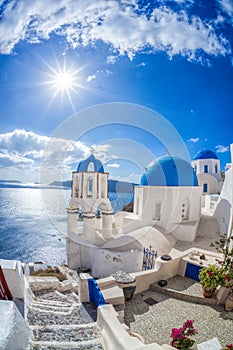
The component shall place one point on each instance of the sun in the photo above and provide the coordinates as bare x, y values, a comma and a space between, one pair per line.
64, 80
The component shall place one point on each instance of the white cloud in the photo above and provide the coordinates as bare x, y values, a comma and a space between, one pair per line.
227, 6
21, 149
113, 165
115, 23
222, 149
193, 139
108, 72
111, 59
142, 64
91, 77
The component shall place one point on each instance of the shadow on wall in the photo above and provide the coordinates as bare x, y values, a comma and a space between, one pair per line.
222, 214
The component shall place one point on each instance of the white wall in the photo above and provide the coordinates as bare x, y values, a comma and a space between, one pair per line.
223, 210
14, 332
13, 273
214, 186
175, 202
200, 163
102, 262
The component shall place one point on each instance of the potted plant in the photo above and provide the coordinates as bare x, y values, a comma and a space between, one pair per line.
210, 278
224, 246
228, 347
180, 337
229, 285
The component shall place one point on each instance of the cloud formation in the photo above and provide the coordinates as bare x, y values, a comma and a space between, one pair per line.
193, 139
21, 149
113, 165
222, 149
126, 28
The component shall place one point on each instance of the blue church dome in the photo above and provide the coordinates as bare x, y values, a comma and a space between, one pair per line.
170, 171
91, 164
205, 154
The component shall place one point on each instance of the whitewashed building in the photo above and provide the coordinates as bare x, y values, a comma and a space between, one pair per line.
207, 168
168, 198
167, 207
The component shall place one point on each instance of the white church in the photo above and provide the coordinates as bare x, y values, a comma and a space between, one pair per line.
167, 207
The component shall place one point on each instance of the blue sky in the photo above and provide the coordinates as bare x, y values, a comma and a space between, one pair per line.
174, 57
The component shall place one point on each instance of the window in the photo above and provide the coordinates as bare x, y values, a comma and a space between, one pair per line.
137, 206
195, 168
205, 168
91, 167
103, 186
77, 187
216, 168
157, 210
89, 186
205, 188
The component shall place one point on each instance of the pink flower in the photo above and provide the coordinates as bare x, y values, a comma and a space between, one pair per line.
210, 273
228, 278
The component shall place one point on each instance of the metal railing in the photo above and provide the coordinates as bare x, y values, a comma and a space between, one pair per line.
149, 258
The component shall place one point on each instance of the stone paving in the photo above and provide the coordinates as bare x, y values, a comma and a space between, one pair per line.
59, 321
155, 321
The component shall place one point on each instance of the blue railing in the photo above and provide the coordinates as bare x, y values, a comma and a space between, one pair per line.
149, 257
95, 294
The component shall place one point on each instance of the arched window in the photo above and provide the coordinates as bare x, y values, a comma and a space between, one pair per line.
157, 212
103, 191
91, 167
89, 186
77, 187
216, 168
137, 206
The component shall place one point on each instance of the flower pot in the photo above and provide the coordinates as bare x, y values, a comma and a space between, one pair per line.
229, 303
208, 293
186, 344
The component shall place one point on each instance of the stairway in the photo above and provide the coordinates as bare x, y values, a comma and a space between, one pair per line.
59, 321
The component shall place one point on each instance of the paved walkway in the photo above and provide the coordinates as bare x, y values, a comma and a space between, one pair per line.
153, 314
59, 321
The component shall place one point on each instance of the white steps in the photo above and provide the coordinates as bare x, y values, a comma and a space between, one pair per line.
59, 321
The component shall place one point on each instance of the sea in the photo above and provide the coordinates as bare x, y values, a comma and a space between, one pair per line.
33, 223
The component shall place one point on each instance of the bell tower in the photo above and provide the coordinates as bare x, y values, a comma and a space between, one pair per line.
89, 194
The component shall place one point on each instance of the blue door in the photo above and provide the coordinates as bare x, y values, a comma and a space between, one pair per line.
192, 271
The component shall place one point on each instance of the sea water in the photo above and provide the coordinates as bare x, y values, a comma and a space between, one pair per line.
33, 223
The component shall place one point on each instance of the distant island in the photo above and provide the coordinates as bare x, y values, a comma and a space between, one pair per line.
113, 185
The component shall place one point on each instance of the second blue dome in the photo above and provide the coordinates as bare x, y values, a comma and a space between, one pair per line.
170, 171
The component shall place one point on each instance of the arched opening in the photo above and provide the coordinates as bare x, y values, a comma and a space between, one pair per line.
89, 186
103, 188
216, 168
77, 188
157, 212
137, 206
91, 167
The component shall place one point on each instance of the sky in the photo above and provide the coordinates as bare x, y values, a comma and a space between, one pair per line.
63, 62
